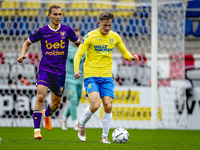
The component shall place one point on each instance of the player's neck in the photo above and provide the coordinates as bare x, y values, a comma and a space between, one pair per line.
54, 27
102, 32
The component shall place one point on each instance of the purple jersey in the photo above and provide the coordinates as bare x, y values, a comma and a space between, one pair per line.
54, 45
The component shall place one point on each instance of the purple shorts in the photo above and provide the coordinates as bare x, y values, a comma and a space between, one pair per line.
55, 83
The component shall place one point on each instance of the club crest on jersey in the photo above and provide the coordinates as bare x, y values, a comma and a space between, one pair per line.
111, 40
63, 34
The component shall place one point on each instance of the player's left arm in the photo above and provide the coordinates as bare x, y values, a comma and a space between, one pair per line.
78, 43
121, 47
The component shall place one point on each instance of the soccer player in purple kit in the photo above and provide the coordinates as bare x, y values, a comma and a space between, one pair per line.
54, 40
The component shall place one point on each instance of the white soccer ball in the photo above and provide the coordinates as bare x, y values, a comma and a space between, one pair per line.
120, 135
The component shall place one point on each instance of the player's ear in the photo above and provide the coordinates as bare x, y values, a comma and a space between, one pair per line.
99, 23
49, 15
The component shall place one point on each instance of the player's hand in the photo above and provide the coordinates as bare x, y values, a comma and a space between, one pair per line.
77, 74
135, 58
21, 58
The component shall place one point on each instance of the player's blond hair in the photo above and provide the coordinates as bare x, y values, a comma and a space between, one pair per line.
53, 6
106, 15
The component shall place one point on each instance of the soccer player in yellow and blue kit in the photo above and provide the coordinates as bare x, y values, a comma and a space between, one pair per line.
98, 79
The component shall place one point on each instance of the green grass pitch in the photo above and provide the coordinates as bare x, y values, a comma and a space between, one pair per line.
15, 138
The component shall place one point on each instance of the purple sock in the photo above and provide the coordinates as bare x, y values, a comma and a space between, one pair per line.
48, 111
37, 119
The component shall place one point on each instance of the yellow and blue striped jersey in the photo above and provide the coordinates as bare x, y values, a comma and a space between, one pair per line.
98, 62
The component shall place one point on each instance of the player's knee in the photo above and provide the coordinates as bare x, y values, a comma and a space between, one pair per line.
108, 107
56, 105
40, 98
95, 107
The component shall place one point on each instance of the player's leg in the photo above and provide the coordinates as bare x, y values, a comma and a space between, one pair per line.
90, 110
73, 97
37, 114
51, 108
67, 113
67, 89
73, 104
87, 114
107, 95
107, 117
79, 92
57, 88
92, 88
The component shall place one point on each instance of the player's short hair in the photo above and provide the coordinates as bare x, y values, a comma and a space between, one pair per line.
106, 15
75, 29
53, 6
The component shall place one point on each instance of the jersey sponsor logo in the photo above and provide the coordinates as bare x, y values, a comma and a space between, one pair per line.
42, 81
55, 53
98, 39
46, 35
102, 48
55, 45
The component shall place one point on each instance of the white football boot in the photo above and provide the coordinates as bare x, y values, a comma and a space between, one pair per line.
81, 133
105, 140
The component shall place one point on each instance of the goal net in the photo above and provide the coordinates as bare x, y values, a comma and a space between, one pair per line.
132, 103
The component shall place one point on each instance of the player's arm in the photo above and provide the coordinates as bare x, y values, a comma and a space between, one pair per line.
25, 47
80, 52
78, 43
121, 47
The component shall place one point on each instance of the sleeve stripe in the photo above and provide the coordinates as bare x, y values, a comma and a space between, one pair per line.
29, 40
77, 41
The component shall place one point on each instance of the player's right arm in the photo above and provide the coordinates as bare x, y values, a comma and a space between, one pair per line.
80, 52
25, 47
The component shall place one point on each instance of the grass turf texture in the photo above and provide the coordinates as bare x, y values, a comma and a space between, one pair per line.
22, 139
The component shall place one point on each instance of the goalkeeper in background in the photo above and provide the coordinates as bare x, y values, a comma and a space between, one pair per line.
73, 86
98, 79
54, 40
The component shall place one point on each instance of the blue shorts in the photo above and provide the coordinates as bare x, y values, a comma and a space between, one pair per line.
54, 82
104, 86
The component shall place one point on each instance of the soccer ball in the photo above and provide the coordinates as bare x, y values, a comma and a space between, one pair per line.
120, 135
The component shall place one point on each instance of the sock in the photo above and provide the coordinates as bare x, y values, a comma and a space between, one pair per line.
48, 112
37, 115
107, 117
87, 114
64, 118
75, 122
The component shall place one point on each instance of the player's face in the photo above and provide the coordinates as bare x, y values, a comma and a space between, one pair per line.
78, 33
105, 26
55, 16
